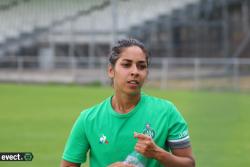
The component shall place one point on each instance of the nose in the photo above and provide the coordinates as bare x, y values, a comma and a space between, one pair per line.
134, 70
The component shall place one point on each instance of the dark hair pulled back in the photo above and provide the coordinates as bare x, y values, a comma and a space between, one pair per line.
125, 43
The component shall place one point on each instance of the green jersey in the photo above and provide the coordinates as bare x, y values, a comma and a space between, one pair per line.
109, 135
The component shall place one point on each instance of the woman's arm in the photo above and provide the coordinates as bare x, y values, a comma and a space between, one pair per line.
181, 157
69, 164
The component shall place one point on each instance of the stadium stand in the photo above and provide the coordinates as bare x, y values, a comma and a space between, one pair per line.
7, 4
129, 13
210, 28
29, 19
40, 40
98, 25
172, 28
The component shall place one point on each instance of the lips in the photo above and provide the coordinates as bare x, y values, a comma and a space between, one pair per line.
133, 82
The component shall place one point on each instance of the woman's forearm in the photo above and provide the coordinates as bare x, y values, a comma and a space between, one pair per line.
171, 160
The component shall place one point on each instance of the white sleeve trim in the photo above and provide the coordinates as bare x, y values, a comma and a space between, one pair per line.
178, 140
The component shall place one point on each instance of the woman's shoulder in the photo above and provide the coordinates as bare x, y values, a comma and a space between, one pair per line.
160, 104
157, 100
95, 109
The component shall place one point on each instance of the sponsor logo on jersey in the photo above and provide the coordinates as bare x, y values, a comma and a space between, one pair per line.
103, 139
149, 131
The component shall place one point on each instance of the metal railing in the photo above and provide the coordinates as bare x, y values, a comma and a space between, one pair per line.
165, 73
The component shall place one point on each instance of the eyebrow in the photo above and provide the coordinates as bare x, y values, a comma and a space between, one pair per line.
128, 60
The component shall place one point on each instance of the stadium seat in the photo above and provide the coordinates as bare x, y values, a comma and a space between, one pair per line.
28, 15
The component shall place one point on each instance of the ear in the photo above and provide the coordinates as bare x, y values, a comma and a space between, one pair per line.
111, 72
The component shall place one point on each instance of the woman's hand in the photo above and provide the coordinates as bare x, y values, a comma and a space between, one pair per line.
145, 145
179, 158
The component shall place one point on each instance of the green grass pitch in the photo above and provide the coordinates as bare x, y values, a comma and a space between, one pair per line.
38, 119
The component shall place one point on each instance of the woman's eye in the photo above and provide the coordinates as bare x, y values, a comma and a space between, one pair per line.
142, 67
126, 65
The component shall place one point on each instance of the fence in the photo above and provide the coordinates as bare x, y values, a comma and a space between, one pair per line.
165, 73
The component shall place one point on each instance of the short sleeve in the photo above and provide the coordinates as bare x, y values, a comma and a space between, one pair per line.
178, 136
77, 144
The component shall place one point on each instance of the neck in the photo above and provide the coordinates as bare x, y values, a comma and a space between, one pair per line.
124, 103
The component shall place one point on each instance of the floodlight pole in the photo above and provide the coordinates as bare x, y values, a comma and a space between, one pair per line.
225, 16
245, 11
114, 12
71, 39
52, 48
92, 47
72, 48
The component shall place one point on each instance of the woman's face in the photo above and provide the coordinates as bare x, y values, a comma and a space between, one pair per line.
130, 71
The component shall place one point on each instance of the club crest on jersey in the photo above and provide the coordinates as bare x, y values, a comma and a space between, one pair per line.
103, 139
149, 131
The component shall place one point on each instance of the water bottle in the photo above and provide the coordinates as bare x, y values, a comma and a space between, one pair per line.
136, 159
